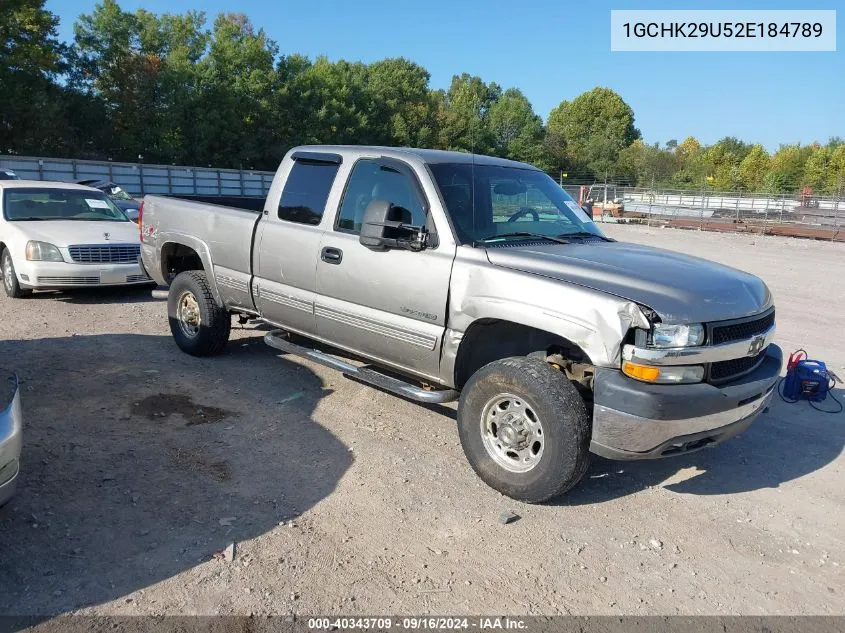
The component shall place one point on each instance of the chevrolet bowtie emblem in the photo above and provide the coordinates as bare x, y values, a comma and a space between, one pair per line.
756, 345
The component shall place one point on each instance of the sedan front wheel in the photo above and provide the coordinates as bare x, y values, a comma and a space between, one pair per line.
10, 278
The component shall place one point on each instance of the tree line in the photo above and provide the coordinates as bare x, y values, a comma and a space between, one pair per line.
176, 89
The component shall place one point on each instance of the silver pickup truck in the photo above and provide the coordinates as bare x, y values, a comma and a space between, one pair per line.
446, 276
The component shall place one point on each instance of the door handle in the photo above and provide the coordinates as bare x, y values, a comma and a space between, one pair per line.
331, 255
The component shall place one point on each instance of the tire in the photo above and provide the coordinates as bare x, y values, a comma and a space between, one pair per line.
199, 326
10, 278
538, 447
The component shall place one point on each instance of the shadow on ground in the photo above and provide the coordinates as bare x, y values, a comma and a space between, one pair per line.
140, 462
785, 443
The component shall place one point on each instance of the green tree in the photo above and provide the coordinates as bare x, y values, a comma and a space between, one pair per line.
732, 146
692, 165
590, 131
403, 109
516, 130
463, 114
723, 166
335, 104
643, 164
32, 105
816, 169
753, 168
786, 173
835, 182
236, 80
112, 64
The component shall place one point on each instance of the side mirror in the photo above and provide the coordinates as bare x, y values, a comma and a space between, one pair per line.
386, 226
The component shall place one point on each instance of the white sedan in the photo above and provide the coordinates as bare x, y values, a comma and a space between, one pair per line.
57, 235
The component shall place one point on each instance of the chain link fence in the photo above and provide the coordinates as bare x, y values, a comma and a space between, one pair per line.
801, 215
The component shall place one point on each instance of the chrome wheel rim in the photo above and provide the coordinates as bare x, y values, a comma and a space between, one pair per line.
188, 314
512, 433
8, 273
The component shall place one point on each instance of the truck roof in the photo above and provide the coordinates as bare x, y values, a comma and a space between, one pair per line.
429, 156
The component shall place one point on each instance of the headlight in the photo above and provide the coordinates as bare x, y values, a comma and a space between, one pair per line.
668, 335
668, 374
42, 252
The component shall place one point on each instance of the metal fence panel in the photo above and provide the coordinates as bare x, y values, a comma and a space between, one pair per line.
139, 179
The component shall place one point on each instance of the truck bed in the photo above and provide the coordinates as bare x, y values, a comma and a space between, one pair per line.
219, 234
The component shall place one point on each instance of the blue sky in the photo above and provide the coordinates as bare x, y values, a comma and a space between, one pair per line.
554, 50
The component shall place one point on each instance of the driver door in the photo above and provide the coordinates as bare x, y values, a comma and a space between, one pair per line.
389, 305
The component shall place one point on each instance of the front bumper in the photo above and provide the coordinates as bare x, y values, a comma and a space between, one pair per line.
637, 420
56, 275
11, 424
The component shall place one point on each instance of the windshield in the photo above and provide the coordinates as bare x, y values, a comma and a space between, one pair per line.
20, 205
507, 200
116, 193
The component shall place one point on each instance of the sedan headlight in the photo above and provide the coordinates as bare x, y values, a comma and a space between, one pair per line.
42, 252
669, 335
668, 374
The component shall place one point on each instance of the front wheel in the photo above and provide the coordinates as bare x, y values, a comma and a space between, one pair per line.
199, 326
524, 429
10, 278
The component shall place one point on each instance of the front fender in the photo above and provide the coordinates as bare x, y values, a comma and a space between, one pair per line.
594, 321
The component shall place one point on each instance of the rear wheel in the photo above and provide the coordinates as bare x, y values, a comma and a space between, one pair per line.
10, 278
199, 326
524, 429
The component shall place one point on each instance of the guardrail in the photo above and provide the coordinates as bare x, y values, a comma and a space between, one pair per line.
139, 179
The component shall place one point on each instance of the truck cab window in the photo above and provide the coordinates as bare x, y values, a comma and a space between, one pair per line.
370, 181
306, 191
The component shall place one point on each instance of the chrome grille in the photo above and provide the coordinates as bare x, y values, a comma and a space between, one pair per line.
105, 253
133, 278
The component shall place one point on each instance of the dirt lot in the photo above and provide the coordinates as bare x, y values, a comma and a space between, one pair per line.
140, 463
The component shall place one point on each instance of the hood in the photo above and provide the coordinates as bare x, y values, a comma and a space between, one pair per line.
680, 288
66, 232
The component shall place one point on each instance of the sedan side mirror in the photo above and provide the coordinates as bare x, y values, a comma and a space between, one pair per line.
387, 226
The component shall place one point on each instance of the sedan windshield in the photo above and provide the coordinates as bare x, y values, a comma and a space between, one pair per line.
490, 203
116, 193
25, 204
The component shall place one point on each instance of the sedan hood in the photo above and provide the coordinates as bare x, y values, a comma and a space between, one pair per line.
680, 288
66, 232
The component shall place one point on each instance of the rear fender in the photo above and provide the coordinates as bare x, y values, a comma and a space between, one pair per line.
200, 248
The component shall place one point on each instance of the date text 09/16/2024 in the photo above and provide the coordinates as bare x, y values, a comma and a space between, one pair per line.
417, 623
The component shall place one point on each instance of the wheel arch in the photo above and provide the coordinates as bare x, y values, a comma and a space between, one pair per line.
487, 340
182, 253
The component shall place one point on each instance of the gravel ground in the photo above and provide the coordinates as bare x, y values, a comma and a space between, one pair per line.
142, 465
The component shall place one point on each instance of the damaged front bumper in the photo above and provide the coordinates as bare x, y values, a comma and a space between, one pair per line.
636, 420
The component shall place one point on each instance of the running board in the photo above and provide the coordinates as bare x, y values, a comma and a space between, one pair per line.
278, 339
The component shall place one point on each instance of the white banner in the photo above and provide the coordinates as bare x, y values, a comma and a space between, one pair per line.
723, 30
